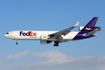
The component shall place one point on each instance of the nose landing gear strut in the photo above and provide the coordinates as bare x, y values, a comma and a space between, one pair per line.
16, 42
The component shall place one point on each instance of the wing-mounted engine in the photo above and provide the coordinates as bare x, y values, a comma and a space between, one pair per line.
44, 39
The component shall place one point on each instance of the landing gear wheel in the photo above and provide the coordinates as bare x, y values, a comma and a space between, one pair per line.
16, 43
56, 44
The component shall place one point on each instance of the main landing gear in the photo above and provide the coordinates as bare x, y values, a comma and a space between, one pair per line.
56, 43
16, 42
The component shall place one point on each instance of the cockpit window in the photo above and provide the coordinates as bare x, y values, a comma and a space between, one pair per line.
7, 33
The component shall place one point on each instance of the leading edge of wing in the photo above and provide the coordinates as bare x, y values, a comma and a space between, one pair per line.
65, 31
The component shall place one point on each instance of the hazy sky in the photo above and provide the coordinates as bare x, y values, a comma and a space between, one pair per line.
88, 54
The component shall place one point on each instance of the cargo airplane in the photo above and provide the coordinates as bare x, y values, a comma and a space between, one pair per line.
57, 37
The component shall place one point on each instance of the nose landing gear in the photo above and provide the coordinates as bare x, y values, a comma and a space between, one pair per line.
16, 42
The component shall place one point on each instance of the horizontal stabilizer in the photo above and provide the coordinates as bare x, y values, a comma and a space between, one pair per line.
92, 32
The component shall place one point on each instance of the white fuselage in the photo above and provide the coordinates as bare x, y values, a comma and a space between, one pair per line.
37, 35
57, 37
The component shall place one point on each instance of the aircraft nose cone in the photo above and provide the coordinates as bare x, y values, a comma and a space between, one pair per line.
5, 35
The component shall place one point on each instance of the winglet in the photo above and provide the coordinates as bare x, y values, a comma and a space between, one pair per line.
76, 24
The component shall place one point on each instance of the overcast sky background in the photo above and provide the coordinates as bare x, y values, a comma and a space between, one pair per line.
88, 54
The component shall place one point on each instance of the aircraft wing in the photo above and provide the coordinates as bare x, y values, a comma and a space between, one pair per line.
63, 32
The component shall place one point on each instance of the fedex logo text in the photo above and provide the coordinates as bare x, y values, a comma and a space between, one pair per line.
30, 33
44, 37
89, 28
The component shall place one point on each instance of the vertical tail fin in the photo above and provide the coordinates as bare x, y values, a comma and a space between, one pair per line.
92, 22
91, 25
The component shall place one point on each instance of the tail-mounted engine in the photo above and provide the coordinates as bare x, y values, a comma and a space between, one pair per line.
81, 27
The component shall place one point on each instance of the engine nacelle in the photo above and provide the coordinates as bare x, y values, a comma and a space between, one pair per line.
44, 39
45, 42
81, 27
